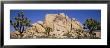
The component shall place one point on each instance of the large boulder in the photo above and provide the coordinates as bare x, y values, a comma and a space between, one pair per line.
38, 27
61, 24
36, 30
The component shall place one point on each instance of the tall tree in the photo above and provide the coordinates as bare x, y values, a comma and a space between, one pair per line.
92, 25
20, 23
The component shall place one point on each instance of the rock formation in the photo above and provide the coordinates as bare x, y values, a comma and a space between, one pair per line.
61, 27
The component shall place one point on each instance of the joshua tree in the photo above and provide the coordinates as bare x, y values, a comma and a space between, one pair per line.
48, 29
92, 25
21, 23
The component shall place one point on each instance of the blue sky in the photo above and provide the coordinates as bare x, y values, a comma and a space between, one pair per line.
39, 15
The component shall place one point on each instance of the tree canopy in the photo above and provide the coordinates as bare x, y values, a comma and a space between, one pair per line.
92, 25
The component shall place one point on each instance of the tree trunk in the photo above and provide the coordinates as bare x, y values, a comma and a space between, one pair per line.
91, 31
21, 35
48, 34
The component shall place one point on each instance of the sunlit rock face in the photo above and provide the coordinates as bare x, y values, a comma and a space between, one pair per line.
38, 27
37, 30
61, 24
76, 25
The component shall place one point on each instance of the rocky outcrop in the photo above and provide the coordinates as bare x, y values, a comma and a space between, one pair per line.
59, 26
37, 30
15, 35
